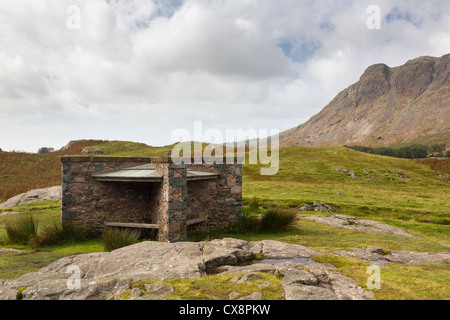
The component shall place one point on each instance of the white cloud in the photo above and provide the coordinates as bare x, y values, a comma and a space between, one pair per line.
138, 69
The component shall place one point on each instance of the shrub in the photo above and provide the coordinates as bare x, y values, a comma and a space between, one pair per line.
276, 220
249, 223
271, 221
59, 233
44, 150
254, 205
21, 229
115, 238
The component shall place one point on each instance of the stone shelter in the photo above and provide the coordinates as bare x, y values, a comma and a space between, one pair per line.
172, 200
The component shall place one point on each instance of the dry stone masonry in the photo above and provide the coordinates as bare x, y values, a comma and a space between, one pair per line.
176, 198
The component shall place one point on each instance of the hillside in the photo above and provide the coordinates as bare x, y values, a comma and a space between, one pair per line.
387, 106
306, 174
401, 193
21, 172
380, 186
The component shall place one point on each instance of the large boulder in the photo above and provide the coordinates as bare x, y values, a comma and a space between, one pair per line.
36, 195
347, 222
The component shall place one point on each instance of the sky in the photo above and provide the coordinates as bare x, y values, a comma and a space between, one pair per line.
138, 70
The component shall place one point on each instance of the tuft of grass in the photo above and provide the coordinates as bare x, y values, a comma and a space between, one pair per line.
19, 294
57, 233
276, 220
249, 223
21, 229
272, 221
254, 205
215, 286
115, 238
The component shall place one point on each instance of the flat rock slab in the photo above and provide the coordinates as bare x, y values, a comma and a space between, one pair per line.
6, 213
381, 256
351, 223
9, 250
308, 281
36, 195
105, 275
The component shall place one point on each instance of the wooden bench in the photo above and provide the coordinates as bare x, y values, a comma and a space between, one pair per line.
131, 225
148, 225
195, 221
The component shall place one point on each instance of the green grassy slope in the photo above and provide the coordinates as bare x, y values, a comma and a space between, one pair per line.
418, 204
310, 174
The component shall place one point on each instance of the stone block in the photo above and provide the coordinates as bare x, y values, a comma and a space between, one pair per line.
177, 182
68, 215
79, 178
68, 199
67, 177
236, 189
174, 227
175, 206
176, 195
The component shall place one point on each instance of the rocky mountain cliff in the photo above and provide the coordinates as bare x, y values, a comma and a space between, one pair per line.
387, 106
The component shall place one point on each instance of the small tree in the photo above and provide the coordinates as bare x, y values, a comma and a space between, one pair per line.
437, 147
45, 150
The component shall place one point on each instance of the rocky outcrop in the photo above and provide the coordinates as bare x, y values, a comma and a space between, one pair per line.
316, 282
317, 206
386, 106
9, 250
381, 256
107, 275
347, 222
36, 195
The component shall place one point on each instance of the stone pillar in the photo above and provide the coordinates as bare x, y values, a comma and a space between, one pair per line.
173, 205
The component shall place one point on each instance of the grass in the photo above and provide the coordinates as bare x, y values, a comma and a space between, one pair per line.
21, 172
115, 238
322, 237
216, 287
276, 220
58, 233
438, 165
129, 149
48, 213
13, 266
21, 229
379, 193
418, 205
398, 281
259, 221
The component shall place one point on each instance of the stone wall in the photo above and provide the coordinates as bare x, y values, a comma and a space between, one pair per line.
169, 203
92, 202
218, 200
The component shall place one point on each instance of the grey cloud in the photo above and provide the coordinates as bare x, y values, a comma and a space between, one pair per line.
156, 63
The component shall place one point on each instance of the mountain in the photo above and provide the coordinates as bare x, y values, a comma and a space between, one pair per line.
387, 106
